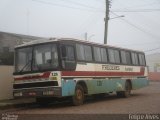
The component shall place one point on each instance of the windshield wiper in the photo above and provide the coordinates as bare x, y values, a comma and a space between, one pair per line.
25, 66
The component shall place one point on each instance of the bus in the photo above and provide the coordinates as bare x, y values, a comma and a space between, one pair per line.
50, 69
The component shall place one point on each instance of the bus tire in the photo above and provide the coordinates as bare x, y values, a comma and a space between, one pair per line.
127, 92
78, 97
120, 94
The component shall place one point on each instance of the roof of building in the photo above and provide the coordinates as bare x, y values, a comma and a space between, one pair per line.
22, 36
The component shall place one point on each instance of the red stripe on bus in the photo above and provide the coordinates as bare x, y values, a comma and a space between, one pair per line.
82, 73
45, 75
93, 73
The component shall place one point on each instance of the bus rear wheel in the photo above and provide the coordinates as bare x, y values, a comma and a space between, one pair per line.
78, 98
127, 92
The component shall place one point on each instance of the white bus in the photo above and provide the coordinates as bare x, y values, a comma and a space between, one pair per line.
60, 68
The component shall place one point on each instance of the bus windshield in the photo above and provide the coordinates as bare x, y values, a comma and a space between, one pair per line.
23, 59
37, 58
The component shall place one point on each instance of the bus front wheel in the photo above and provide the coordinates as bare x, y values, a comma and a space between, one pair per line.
78, 97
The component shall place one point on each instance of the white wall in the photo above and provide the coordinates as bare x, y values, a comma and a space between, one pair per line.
6, 80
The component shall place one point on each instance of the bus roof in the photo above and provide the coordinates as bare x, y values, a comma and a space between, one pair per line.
40, 41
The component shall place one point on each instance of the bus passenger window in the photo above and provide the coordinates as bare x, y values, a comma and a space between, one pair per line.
68, 57
114, 56
104, 55
97, 54
117, 57
67, 53
123, 57
111, 56
134, 58
142, 59
126, 57
80, 52
88, 53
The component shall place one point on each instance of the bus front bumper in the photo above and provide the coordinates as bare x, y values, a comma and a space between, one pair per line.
38, 92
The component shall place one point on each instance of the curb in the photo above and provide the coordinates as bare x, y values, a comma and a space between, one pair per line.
15, 104
10, 105
7, 106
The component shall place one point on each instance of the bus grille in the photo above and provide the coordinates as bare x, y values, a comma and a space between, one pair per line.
37, 84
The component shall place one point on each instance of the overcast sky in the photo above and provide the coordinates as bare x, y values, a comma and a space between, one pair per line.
139, 29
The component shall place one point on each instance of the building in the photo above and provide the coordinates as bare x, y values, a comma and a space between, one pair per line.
9, 40
7, 43
153, 62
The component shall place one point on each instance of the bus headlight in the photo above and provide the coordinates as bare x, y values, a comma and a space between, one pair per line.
53, 78
18, 94
48, 93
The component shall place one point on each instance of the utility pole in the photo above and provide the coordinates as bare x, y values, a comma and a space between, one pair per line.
106, 21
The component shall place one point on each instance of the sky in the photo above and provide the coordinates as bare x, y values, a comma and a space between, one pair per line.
139, 28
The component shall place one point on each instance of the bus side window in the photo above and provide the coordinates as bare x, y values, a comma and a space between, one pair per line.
84, 53
68, 57
117, 56
88, 53
104, 56
134, 58
123, 57
142, 59
114, 56
111, 55
126, 57
97, 54
80, 52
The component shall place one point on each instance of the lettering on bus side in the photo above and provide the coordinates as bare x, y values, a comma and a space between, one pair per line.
128, 69
110, 67
99, 83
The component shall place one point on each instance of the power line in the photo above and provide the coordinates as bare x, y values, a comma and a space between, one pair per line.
150, 4
138, 28
127, 9
93, 9
152, 49
100, 1
87, 24
65, 6
145, 43
80, 4
137, 10
143, 5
